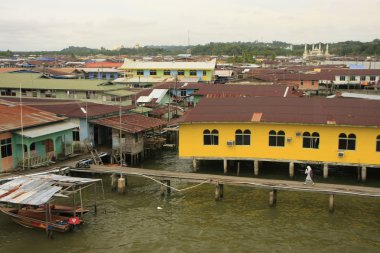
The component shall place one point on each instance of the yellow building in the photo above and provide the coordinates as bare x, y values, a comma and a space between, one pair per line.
199, 71
294, 130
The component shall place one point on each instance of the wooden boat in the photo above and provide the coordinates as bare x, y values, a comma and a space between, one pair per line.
60, 210
39, 220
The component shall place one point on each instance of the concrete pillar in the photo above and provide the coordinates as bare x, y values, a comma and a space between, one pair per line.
225, 165
364, 173
291, 169
113, 182
121, 185
325, 170
331, 203
273, 197
256, 167
219, 192
195, 164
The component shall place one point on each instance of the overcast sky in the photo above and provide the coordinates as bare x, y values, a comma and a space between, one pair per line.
54, 25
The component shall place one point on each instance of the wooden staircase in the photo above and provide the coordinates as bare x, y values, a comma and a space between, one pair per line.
94, 153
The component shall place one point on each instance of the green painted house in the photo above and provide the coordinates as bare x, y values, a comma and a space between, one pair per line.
30, 137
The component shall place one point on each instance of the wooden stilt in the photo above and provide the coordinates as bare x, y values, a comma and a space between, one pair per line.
291, 169
168, 189
331, 203
238, 169
219, 191
95, 199
325, 170
273, 198
225, 166
256, 167
113, 182
364, 173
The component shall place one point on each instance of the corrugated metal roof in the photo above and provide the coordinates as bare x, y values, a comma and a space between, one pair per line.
355, 112
33, 81
37, 189
131, 123
11, 117
129, 64
157, 94
70, 108
47, 129
120, 93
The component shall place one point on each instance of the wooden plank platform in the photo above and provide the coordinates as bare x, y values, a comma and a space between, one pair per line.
270, 184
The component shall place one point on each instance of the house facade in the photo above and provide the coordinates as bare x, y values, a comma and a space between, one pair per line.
294, 130
34, 140
203, 71
32, 86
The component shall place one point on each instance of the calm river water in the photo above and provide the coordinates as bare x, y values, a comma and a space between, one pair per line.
194, 222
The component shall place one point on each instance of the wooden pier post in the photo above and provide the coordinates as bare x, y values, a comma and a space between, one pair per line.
325, 170
273, 198
291, 169
121, 185
364, 173
113, 182
168, 189
165, 187
225, 165
331, 203
256, 167
219, 191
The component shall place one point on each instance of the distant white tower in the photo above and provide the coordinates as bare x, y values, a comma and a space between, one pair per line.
305, 53
327, 50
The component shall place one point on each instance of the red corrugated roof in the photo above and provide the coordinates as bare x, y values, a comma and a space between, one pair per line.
358, 112
71, 108
131, 123
11, 117
103, 65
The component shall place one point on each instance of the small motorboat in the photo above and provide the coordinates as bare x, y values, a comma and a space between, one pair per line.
41, 220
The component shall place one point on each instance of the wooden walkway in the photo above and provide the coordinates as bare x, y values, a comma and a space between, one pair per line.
220, 180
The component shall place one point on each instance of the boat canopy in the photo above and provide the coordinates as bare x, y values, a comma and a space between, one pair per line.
39, 189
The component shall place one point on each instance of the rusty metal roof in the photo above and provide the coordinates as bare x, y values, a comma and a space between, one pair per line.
71, 108
131, 123
11, 116
230, 90
355, 112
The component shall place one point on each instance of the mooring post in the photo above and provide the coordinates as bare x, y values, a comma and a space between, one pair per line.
325, 170
121, 185
291, 169
256, 167
219, 188
273, 197
331, 203
168, 189
364, 173
113, 182
225, 165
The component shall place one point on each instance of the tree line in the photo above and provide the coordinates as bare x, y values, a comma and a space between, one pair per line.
241, 51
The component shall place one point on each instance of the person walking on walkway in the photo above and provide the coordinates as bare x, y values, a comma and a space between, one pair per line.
309, 176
